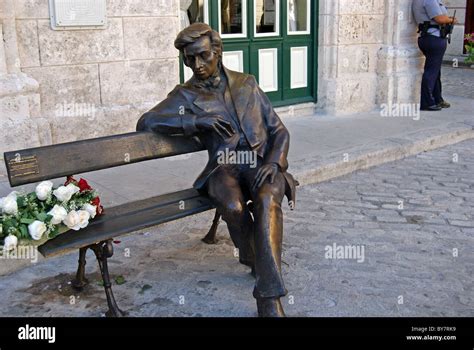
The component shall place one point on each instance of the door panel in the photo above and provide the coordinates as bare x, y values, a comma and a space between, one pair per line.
237, 55
297, 60
265, 65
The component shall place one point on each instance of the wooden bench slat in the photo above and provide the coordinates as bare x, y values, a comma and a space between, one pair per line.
49, 162
116, 226
161, 200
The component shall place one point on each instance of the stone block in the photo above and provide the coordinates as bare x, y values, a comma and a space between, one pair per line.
31, 8
20, 133
142, 8
150, 38
328, 30
106, 121
355, 7
15, 107
457, 42
356, 94
455, 3
357, 59
27, 39
372, 29
66, 84
133, 82
81, 46
328, 59
350, 29
327, 7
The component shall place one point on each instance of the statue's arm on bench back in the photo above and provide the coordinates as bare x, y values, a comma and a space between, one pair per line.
169, 117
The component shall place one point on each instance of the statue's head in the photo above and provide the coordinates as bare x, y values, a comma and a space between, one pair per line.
201, 47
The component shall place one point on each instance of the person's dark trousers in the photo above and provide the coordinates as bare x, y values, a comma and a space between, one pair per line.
433, 48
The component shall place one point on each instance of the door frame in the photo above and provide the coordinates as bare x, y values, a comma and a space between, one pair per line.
469, 22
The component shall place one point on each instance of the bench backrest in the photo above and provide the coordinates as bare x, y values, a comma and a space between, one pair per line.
49, 162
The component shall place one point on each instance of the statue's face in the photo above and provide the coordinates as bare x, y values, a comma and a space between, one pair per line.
200, 57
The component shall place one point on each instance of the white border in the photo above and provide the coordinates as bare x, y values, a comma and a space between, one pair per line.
244, 21
55, 26
240, 55
308, 20
293, 64
205, 8
275, 68
277, 22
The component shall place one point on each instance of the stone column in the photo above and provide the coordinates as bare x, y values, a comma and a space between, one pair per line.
368, 55
400, 61
350, 34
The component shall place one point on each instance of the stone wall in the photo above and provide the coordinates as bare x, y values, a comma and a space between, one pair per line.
455, 50
59, 86
367, 55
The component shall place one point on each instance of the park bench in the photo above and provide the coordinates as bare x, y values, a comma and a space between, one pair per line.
49, 162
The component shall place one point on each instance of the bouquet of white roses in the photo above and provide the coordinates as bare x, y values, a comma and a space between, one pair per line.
43, 214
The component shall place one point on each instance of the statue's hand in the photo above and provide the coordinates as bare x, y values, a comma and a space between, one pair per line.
267, 170
216, 123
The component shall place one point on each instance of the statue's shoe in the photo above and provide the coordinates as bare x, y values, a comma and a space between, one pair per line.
270, 307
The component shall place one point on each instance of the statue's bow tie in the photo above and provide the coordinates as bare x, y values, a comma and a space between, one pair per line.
212, 82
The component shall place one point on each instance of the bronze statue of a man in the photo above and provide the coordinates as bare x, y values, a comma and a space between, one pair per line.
230, 114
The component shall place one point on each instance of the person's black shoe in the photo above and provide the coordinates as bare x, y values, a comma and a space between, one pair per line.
270, 307
435, 108
444, 104
253, 273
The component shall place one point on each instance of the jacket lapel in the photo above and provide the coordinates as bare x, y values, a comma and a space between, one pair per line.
239, 91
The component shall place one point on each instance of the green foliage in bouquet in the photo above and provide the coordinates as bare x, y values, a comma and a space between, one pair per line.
35, 217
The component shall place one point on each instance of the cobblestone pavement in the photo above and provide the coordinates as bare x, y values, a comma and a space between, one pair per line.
458, 81
412, 222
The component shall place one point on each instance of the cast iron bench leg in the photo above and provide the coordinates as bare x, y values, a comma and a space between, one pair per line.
103, 251
81, 281
211, 235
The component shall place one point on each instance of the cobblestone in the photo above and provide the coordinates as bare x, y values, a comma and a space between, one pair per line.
458, 81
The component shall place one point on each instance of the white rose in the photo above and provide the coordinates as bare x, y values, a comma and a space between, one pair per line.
76, 220
64, 193
91, 209
72, 220
10, 243
8, 204
43, 190
36, 229
84, 217
59, 214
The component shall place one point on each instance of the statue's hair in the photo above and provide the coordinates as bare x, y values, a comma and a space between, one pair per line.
192, 34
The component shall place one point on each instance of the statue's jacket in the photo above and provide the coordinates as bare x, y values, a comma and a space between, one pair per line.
263, 129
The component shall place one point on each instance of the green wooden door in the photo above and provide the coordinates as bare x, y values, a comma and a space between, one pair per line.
275, 40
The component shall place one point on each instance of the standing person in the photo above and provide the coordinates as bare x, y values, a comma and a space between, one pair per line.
433, 24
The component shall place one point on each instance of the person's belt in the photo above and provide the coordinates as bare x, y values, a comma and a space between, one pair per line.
444, 30
424, 27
